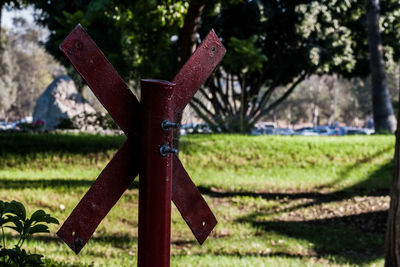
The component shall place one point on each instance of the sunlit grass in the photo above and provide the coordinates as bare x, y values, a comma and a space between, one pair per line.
250, 183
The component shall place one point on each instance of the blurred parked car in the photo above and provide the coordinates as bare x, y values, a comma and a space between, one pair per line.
4, 126
202, 128
257, 131
283, 131
307, 131
323, 130
261, 131
265, 125
354, 131
193, 128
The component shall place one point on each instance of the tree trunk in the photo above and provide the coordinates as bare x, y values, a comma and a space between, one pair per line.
242, 104
187, 45
188, 33
392, 238
384, 118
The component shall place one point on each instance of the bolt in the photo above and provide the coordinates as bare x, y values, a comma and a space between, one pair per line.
166, 149
78, 244
166, 125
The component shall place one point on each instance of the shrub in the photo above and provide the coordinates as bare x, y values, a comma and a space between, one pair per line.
13, 216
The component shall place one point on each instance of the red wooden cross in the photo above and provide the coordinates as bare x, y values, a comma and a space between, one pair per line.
124, 108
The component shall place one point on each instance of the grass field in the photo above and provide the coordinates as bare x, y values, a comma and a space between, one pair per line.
280, 201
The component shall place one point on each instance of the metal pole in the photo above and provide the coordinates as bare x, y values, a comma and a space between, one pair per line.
155, 177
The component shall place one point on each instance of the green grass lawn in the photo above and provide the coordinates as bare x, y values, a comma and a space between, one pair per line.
280, 201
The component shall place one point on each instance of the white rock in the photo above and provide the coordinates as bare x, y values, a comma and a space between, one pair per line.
60, 100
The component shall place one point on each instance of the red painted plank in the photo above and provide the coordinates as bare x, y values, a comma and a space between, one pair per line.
197, 69
191, 204
101, 197
103, 79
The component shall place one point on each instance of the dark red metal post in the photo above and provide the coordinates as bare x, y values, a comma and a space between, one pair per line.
155, 175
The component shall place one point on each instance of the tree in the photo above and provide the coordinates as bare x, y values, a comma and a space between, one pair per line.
26, 70
8, 86
313, 102
188, 33
244, 58
382, 106
298, 39
32, 59
392, 236
294, 39
10, 4
138, 33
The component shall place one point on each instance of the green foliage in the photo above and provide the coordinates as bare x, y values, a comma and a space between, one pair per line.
243, 56
66, 123
13, 216
105, 121
138, 33
29, 127
297, 39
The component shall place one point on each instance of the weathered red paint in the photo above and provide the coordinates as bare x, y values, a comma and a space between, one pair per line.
116, 97
103, 79
155, 174
101, 197
190, 203
196, 70
123, 106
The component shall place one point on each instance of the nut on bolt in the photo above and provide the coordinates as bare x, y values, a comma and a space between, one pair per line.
166, 125
166, 149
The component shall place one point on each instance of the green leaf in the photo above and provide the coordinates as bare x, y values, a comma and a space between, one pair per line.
52, 220
41, 216
34, 260
18, 209
7, 220
38, 214
38, 228
19, 227
2, 207
14, 228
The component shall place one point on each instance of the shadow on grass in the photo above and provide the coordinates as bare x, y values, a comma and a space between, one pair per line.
51, 183
116, 240
320, 197
25, 144
377, 184
355, 239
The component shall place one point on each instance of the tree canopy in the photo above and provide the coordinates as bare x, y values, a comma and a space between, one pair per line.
272, 45
134, 35
296, 39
